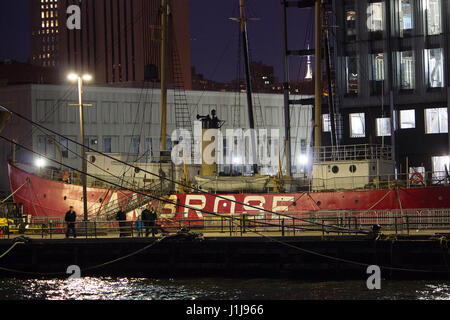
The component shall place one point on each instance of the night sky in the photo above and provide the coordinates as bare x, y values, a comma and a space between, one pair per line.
214, 37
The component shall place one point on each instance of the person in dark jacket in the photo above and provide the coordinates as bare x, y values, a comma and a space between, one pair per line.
146, 216
70, 219
153, 218
121, 217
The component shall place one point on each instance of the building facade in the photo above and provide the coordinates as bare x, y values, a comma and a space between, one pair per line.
127, 121
119, 40
392, 78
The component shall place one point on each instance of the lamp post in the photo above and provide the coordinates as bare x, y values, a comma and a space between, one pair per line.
73, 77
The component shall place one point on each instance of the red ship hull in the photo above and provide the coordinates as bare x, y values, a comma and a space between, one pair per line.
47, 198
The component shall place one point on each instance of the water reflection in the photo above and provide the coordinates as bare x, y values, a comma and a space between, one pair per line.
216, 289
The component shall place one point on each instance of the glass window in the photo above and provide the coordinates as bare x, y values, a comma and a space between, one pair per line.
42, 145
407, 119
326, 123
440, 164
107, 145
351, 72
432, 15
405, 16
383, 127
135, 141
350, 22
434, 67
148, 148
375, 17
378, 66
64, 145
407, 71
357, 125
436, 120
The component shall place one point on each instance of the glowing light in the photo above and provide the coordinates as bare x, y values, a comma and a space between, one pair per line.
303, 159
72, 77
87, 77
40, 163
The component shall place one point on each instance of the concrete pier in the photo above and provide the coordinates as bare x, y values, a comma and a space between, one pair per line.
185, 255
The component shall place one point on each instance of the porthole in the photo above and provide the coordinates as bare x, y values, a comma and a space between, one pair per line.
319, 203
352, 168
335, 169
65, 198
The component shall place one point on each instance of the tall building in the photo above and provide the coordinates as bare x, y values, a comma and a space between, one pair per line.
393, 78
44, 32
119, 41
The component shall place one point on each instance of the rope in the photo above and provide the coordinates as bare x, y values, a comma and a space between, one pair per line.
12, 247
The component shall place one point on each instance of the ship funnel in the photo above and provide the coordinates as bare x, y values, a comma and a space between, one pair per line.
5, 116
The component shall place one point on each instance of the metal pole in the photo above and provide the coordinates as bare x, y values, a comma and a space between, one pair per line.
164, 16
243, 21
318, 77
287, 115
83, 152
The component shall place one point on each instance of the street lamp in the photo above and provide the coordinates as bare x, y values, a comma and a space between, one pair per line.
73, 77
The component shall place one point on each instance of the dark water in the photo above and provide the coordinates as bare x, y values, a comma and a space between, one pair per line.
217, 289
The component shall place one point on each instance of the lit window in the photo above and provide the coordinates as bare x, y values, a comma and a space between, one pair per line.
405, 16
407, 119
407, 71
351, 72
383, 127
436, 120
432, 14
441, 165
375, 17
350, 22
434, 67
326, 123
378, 66
357, 125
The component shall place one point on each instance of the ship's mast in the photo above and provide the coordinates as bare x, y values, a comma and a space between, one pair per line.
243, 22
164, 22
287, 115
318, 77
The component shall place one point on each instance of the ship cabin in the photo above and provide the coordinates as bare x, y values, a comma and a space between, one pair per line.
352, 167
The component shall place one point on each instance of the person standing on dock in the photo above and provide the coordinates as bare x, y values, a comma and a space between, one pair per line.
146, 220
70, 219
138, 225
153, 218
121, 217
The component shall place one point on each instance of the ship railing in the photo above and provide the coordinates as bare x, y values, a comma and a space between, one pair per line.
100, 181
338, 222
353, 153
383, 181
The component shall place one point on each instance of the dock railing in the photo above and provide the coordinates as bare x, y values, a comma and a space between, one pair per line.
342, 222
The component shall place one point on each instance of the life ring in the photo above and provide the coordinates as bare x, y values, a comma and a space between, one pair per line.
416, 178
66, 176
